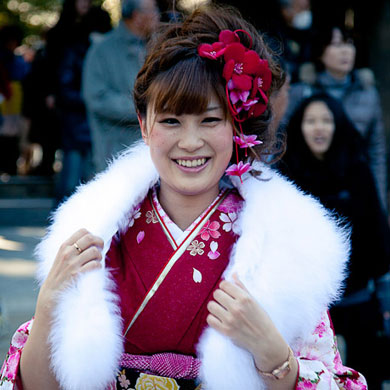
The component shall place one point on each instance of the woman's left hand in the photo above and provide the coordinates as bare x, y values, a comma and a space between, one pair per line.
236, 314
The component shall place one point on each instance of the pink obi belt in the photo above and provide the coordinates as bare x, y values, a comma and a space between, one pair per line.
163, 369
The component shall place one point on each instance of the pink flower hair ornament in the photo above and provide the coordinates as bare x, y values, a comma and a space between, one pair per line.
238, 169
248, 78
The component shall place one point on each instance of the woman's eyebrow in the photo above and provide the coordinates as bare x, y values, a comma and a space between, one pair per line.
212, 108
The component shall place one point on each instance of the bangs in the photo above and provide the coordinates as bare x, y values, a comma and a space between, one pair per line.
187, 88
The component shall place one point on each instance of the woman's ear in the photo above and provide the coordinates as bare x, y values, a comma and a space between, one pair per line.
144, 131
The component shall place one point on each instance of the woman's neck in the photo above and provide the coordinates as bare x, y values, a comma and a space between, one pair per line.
184, 209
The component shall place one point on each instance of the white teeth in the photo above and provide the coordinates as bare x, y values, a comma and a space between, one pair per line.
191, 163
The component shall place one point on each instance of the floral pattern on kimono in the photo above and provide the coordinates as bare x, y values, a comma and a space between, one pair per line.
320, 366
9, 374
232, 203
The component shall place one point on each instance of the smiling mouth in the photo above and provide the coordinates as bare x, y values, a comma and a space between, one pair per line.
192, 163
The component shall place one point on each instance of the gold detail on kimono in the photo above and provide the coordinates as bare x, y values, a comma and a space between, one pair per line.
151, 217
152, 382
195, 248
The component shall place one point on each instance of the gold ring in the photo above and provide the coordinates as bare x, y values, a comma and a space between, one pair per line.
77, 247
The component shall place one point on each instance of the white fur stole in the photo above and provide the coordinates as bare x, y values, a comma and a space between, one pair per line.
291, 256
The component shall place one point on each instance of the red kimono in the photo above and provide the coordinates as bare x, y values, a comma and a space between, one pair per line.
164, 283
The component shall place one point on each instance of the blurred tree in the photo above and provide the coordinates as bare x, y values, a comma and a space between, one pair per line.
37, 16
33, 16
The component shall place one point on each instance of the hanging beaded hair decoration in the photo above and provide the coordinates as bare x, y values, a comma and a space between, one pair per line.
248, 78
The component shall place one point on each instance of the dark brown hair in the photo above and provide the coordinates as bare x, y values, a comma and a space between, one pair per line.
174, 78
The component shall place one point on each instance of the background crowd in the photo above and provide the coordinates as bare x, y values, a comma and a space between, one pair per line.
72, 99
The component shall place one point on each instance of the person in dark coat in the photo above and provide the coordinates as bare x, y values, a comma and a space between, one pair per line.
326, 157
43, 118
77, 167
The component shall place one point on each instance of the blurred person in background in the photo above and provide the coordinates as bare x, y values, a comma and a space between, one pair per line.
43, 118
334, 59
13, 71
72, 26
110, 69
77, 164
326, 157
43, 86
297, 34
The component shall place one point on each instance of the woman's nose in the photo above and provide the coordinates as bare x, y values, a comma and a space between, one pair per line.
190, 139
317, 126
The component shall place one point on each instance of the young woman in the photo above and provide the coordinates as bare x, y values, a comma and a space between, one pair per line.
326, 158
165, 272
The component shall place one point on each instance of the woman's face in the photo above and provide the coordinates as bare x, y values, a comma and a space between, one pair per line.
82, 7
191, 151
318, 128
339, 56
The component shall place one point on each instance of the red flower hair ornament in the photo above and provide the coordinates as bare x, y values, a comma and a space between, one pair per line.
248, 78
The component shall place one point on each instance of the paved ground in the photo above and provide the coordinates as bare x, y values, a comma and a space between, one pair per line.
18, 290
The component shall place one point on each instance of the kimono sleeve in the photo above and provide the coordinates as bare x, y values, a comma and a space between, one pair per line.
9, 374
320, 366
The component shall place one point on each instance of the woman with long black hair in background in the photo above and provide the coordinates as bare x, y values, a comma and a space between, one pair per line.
326, 157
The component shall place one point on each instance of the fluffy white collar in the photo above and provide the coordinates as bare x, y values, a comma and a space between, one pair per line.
291, 255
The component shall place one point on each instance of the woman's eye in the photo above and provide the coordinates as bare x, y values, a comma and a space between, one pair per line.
211, 119
169, 121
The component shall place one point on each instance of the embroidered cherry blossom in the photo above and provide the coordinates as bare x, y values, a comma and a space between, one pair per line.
196, 248
230, 222
151, 217
238, 169
213, 254
196, 275
136, 215
123, 381
140, 236
210, 229
246, 141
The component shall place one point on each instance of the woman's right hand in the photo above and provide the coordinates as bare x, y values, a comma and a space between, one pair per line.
78, 254
68, 264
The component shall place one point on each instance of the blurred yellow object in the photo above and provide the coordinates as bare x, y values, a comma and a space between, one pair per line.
13, 105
